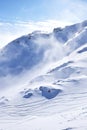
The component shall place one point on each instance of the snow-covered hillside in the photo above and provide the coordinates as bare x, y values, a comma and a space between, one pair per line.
43, 81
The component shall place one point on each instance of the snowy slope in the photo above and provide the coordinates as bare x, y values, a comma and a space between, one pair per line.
52, 93
19, 55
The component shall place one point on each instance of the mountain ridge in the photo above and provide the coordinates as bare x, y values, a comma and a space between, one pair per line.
25, 52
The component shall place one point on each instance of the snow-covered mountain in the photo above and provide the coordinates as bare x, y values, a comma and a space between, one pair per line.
43, 80
28, 51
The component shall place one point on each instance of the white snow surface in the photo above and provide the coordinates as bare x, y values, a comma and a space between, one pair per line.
52, 95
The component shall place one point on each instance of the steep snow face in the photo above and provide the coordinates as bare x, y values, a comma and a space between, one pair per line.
20, 55
64, 34
78, 40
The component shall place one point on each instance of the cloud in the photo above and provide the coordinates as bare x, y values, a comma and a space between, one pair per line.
11, 31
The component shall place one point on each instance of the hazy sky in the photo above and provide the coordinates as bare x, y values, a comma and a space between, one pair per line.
39, 10
19, 17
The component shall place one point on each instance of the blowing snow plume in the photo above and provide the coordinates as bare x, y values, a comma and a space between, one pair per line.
27, 55
53, 49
